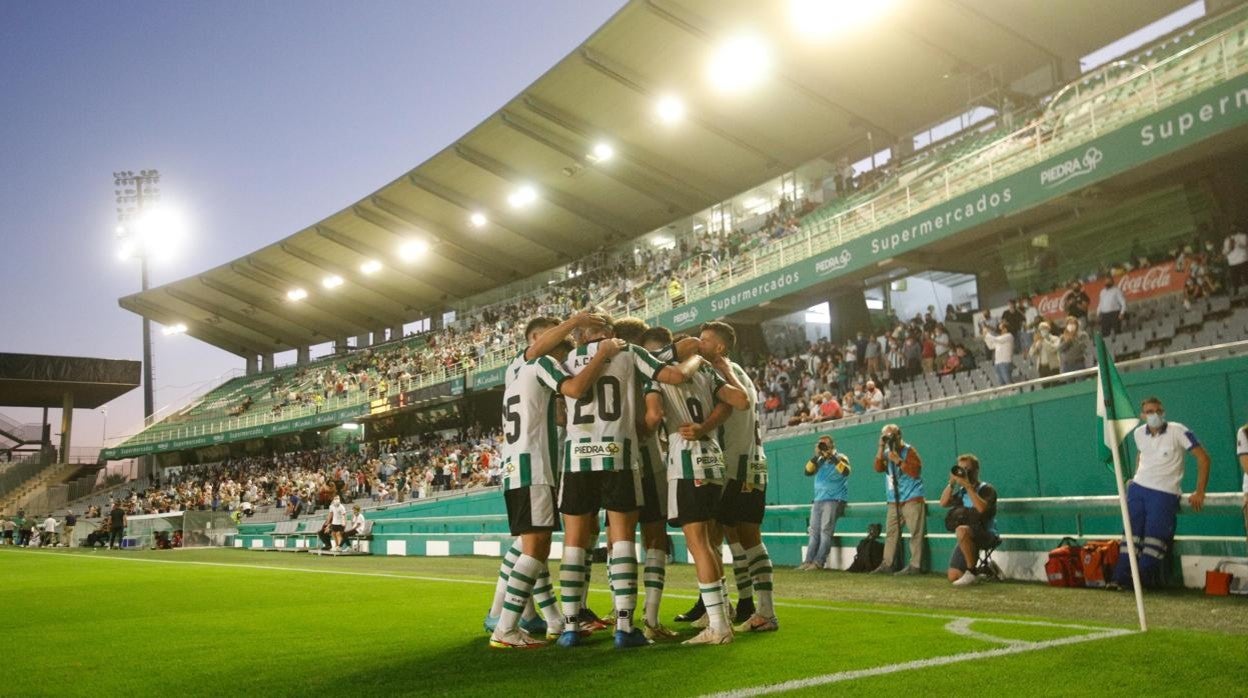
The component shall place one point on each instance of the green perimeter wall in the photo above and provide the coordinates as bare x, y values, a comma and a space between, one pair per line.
1039, 444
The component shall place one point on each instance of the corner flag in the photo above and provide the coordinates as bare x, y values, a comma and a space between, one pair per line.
1117, 418
1113, 405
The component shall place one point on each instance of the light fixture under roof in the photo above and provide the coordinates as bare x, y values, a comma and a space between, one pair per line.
413, 250
170, 330
602, 152
670, 109
523, 196
739, 63
372, 266
478, 219
296, 294
820, 19
332, 281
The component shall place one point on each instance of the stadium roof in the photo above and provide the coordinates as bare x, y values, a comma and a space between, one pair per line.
32, 380
822, 96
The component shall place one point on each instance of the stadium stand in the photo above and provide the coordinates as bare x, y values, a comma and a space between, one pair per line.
628, 281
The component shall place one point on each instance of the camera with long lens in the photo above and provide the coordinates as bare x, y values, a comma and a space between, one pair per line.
958, 471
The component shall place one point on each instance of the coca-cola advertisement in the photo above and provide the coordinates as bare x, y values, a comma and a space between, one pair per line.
1137, 285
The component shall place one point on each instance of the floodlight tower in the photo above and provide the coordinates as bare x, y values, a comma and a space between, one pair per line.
134, 191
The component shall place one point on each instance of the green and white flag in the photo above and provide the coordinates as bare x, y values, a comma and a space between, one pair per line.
1113, 405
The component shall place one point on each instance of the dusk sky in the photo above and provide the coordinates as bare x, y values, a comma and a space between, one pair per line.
263, 117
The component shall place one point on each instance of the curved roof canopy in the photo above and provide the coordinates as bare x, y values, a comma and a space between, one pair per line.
912, 66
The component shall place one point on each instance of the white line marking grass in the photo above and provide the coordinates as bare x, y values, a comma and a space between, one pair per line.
958, 625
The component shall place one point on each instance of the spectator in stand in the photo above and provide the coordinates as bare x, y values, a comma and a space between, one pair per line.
849, 359
1045, 351
801, 415
944, 345
928, 354
952, 364
675, 291
1075, 304
860, 351
1014, 319
913, 350
895, 362
1072, 347
1235, 250
831, 470
872, 356
1031, 319
1192, 292
117, 521
829, 409
872, 398
1002, 347
1111, 307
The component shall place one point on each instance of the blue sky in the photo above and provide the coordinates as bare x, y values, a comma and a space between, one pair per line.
263, 117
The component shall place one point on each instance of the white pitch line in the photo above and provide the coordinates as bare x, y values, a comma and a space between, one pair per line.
109, 557
841, 676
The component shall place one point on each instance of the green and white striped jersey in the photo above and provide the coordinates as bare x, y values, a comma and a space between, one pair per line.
531, 437
742, 438
602, 433
691, 401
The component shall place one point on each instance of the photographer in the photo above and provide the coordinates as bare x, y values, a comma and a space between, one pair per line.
972, 516
830, 469
903, 488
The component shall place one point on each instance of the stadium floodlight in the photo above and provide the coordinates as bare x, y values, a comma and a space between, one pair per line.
413, 250
170, 330
478, 220
819, 19
523, 196
670, 109
370, 267
296, 294
602, 152
739, 63
158, 232
332, 281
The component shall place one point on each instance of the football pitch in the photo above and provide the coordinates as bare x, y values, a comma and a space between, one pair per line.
230, 621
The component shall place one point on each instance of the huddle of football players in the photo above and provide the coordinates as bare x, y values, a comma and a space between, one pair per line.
655, 430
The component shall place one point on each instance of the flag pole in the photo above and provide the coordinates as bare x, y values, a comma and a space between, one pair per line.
1130, 536
1109, 392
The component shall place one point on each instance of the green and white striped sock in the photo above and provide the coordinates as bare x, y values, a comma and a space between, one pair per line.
741, 571
519, 589
713, 599
623, 576
544, 599
760, 570
655, 578
504, 572
572, 583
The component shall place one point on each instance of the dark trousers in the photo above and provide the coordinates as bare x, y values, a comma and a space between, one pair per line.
1153, 514
1109, 322
114, 537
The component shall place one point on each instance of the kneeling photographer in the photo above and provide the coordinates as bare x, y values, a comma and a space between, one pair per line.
972, 517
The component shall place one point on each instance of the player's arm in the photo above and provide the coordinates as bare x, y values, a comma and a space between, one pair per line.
732, 395
675, 375
654, 410
685, 348
693, 431
550, 339
736, 395
576, 386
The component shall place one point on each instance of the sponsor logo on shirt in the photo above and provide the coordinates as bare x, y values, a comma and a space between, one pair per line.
595, 449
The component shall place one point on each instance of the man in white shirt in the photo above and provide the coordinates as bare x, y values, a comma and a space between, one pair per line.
357, 525
49, 531
1110, 307
1002, 347
873, 398
1154, 493
337, 520
1241, 451
1235, 248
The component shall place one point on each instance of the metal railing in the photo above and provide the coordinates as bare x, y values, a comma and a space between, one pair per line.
1177, 358
1175, 77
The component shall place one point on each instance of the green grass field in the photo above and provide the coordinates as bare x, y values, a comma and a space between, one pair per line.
223, 621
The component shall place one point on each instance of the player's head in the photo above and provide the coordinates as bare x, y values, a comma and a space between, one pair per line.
596, 331
537, 326
717, 339
656, 338
630, 329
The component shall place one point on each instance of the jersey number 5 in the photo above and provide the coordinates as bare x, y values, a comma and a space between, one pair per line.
512, 433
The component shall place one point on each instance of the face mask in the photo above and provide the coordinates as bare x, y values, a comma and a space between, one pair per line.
1155, 421
1044, 332
1072, 328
